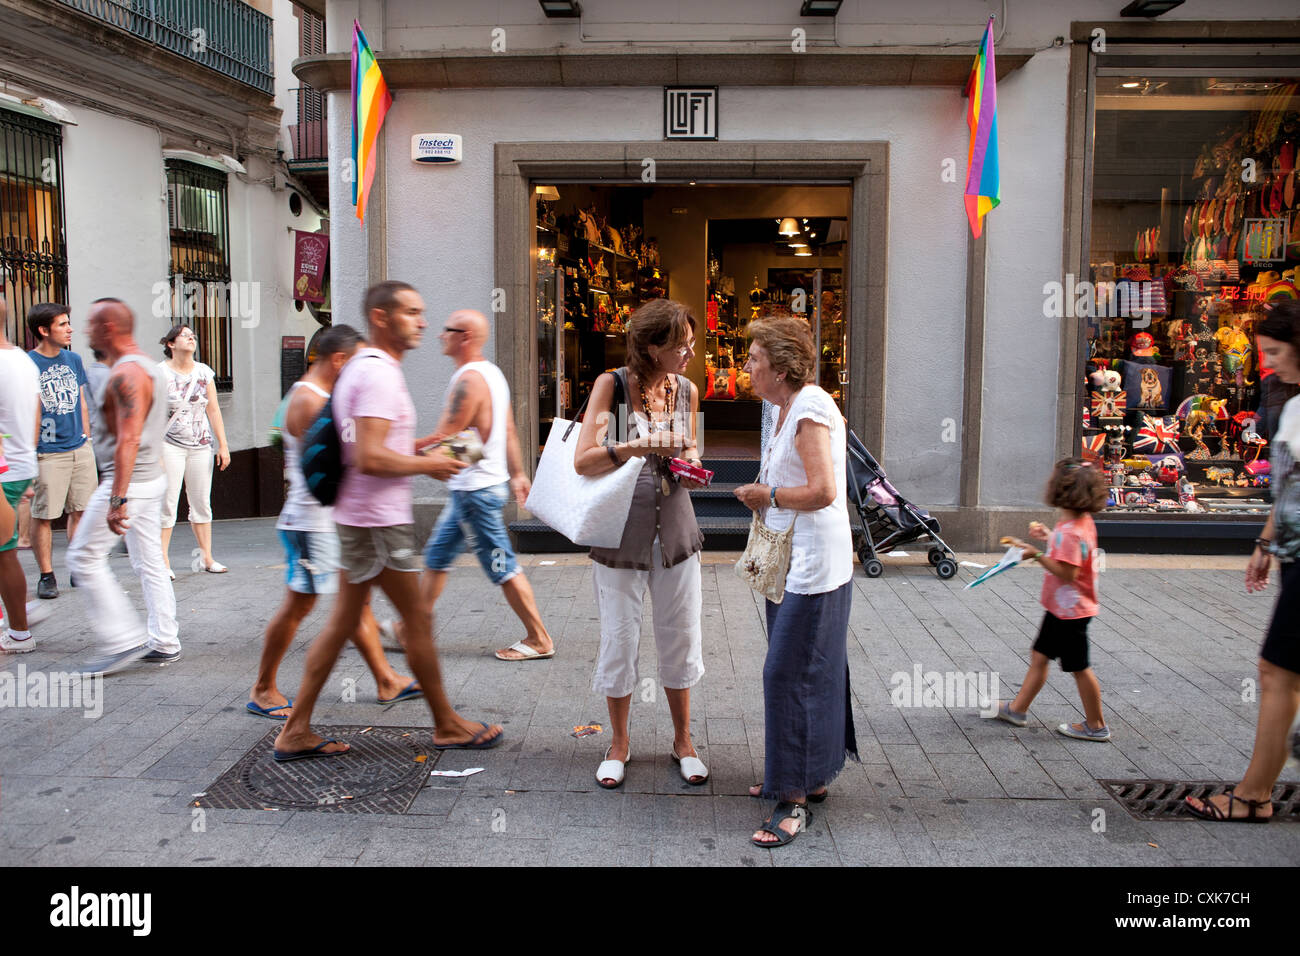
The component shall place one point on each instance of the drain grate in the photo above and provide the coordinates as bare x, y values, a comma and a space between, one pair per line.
1163, 799
384, 771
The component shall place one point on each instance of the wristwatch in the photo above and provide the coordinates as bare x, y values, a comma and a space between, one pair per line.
115, 502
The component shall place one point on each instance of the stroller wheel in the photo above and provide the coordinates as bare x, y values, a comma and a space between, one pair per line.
946, 568
873, 568
935, 555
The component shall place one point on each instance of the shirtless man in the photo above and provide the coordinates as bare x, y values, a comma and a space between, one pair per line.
478, 397
128, 448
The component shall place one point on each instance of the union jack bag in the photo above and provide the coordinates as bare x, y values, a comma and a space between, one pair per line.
1157, 436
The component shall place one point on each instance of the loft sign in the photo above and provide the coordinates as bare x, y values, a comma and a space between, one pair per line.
690, 112
435, 148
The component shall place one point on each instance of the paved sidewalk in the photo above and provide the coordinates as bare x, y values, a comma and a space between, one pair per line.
1172, 646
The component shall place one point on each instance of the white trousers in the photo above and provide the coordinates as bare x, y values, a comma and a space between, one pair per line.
677, 604
114, 620
194, 466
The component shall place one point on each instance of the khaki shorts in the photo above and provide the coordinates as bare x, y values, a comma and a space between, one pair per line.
365, 552
65, 482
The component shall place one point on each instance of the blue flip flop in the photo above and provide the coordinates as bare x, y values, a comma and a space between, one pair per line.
474, 742
317, 751
256, 711
412, 691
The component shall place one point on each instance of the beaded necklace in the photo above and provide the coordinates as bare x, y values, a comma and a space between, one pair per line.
665, 485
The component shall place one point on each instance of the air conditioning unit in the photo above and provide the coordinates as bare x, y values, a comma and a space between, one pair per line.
185, 209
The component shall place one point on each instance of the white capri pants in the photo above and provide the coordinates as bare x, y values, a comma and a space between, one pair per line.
677, 603
194, 465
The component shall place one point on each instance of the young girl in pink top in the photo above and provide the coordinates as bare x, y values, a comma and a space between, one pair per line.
1069, 596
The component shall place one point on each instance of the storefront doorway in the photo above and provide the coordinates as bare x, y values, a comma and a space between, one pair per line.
729, 252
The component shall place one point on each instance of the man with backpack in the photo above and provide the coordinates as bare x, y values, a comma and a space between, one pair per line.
311, 543
375, 421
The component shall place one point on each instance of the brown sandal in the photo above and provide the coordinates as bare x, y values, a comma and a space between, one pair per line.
1211, 811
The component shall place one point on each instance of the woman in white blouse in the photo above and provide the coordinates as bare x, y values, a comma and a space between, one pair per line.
808, 720
194, 432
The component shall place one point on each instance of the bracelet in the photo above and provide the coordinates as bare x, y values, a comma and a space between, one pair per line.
1263, 543
773, 496
613, 455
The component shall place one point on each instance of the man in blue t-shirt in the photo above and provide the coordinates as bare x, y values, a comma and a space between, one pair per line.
64, 457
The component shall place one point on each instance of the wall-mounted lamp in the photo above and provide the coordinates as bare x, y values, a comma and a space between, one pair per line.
561, 9
820, 8
1149, 8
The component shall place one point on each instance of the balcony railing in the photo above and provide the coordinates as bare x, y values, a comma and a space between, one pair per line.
310, 135
224, 35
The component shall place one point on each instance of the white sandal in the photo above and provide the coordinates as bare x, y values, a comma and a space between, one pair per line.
525, 652
612, 770
692, 767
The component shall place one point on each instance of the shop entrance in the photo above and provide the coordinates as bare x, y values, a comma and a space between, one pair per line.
729, 252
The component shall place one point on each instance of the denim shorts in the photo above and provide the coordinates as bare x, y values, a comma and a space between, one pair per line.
312, 558
473, 519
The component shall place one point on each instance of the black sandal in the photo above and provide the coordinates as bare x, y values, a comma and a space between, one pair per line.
1211, 811
811, 797
784, 811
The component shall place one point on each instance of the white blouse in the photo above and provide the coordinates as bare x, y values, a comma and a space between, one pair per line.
821, 553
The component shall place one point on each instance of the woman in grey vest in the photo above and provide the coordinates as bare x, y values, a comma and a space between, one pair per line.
661, 540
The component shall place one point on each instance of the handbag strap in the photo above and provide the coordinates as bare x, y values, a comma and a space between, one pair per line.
619, 398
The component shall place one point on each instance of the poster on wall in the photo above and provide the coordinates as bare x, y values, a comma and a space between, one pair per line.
310, 257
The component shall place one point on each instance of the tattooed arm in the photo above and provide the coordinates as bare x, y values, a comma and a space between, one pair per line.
131, 393
462, 409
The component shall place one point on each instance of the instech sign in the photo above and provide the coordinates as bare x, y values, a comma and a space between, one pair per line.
435, 148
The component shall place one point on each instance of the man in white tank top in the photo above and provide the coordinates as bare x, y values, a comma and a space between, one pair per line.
478, 397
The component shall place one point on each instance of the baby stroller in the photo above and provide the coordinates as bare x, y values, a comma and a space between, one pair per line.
887, 518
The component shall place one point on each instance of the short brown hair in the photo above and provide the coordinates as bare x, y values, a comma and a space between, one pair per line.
661, 323
788, 342
1077, 485
383, 296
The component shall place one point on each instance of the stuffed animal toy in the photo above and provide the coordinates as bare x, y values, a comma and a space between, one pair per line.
587, 220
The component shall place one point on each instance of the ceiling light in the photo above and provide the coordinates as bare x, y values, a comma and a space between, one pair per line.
561, 9
803, 252
812, 235
547, 192
798, 245
1131, 85
820, 8
1149, 8
789, 227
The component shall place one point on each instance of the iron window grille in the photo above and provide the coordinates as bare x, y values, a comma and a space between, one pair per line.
33, 245
199, 274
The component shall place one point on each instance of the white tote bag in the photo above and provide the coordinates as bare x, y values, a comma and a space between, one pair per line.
587, 511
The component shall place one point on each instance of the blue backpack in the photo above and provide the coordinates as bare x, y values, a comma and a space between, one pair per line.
322, 456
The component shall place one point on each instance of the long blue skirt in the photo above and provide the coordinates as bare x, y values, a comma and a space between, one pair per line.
808, 721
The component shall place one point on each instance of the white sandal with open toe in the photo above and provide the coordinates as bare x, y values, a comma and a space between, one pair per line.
612, 770
692, 767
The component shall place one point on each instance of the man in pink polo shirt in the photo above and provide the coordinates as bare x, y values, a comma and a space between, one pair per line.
376, 421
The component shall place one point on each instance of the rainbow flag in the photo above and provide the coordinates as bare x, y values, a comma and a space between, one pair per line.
983, 190
370, 103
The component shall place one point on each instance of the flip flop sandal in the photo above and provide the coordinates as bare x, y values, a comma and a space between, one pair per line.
612, 770
282, 756
784, 811
691, 767
529, 653
474, 743
216, 567
1212, 812
411, 693
256, 711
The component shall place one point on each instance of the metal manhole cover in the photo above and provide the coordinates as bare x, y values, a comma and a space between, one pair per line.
1163, 799
382, 773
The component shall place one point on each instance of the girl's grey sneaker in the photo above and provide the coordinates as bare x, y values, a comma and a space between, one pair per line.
1083, 732
1015, 718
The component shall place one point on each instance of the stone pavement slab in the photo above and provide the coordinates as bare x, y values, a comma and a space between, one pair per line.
1174, 647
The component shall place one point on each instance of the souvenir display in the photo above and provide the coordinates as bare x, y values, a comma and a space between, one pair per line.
1176, 309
